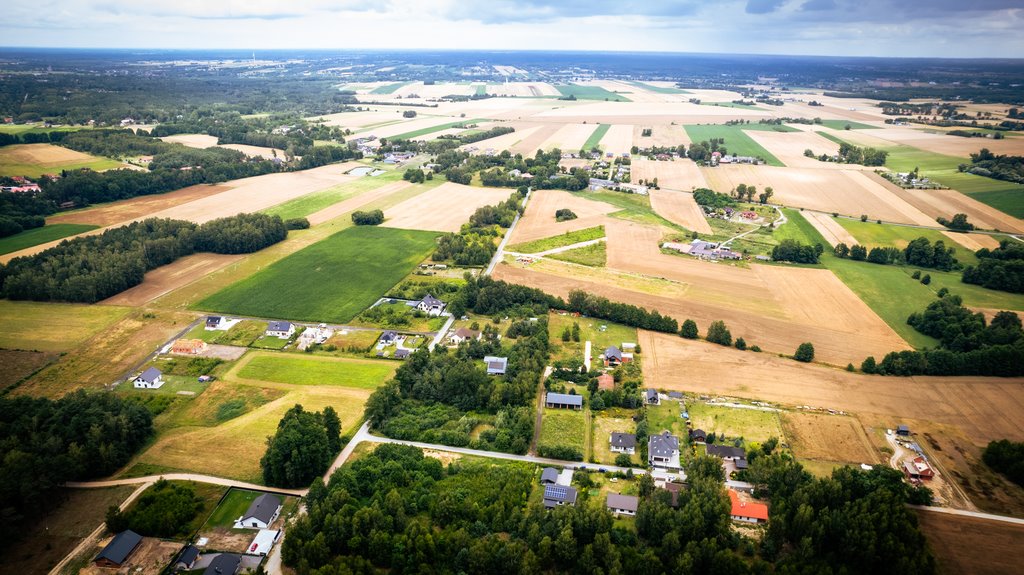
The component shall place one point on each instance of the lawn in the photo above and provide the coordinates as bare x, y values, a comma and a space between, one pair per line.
736, 141
841, 125
305, 205
432, 129
666, 416
566, 239
233, 506
590, 329
243, 333
222, 401
66, 325
399, 316
331, 280
589, 93
36, 236
871, 234
595, 139
594, 255
299, 370
11, 166
733, 423
388, 88
564, 427
605, 422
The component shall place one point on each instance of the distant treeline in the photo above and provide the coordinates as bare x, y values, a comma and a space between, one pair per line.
51, 137
92, 268
20, 211
989, 165
999, 269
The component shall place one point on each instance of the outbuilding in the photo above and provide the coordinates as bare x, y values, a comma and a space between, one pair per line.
118, 550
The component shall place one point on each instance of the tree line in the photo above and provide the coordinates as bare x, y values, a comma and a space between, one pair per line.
790, 250
20, 211
999, 269
920, 252
302, 448
851, 154
88, 269
999, 167
474, 244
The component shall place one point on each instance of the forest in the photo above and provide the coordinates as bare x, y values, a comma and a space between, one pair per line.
161, 511
302, 448
88, 269
474, 244
1006, 457
999, 269
44, 443
395, 509
1002, 167
790, 250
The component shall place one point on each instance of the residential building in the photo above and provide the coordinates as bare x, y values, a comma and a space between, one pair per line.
430, 305
187, 558
280, 329
726, 452
188, 346
496, 365
213, 322
388, 337
663, 450
555, 495
464, 334
262, 512
118, 550
224, 564
651, 397
747, 512
622, 504
613, 357
401, 354
902, 430
563, 401
918, 468
623, 442
152, 378
698, 436
549, 475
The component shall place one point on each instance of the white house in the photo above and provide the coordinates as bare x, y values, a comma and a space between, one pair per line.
430, 305
152, 378
463, 334
622, 504
262, 512
281, 329
663, 450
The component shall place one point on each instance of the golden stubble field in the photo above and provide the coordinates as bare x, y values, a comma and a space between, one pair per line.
444, 208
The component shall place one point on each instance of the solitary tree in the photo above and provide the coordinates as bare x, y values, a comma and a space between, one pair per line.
689, 330
719, 333
741, 344
805, 352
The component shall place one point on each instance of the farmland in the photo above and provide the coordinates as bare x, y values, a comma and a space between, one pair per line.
34, 160
36, 236
345, 273
593, 255
595, 138
68, 324
310, 203
734, 423
737, 142
566, 239
827, 438
282, 368
581, 92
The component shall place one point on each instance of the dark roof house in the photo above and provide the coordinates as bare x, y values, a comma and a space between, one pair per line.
213, 321
119, 549
279, 327
496, 365
187, 558
549, 475
624, 504
388, 336
264, 508
623, 440
698, 435
151, 375
651, 396
224, 564
555, 495
613, 353
401, 353
726, 452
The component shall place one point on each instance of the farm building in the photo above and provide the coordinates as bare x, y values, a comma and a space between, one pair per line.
464, 334
224, 564
651, 397
430, 305
152, 378
563, 401
118, 550
663, 450
747, 512
623, 442
280, 329
918, 468
261, 513
622, 504
188, 346
187, 558
555, 495
703, 250
496, 365
605, 381
549, 475
902, 430
698, 436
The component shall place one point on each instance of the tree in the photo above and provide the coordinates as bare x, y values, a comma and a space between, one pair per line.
645, 485
332, 426
804, 352
841, 250
689, 330
868, 365
926, 279
566, 334
741, 344
575, 331
719, 333
299, 451
370, 218
623, 460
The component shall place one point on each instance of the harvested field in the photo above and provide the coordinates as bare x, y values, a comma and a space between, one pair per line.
678, 174
648, 112
192, 140
171, 277
139, 207
444, 208
789, 148
830, 229
945, 144
412, 126
256, 151
526, 144
67, 324
569, 138
679, 208
20, 364
618, 140
991, 408
539, 219
504, 142
352, 204
973, 242
824, 437
972, 545
662, 136
34, 160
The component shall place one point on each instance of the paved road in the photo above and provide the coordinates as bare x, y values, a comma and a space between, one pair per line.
974, 514
439, 337
501, 247
186, 477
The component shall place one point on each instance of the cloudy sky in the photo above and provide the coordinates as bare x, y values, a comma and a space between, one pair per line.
951, 28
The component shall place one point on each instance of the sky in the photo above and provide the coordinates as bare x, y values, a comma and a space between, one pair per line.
914, 28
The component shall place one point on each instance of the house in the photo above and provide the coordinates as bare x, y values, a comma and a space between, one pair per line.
747, 512
188, 346
401, 354
651, 397
623, 442
261, 513
213, 322
549, 476
263, 542
902, 430
496, 365
606, 381
388, 337
430, 305
698, 436
152, 378
464, 334
612, 357
118, 550
281, 329
918, 468
726, 452
703, 250
563, 401
555, 495
622, 504
187, 558
663, 450
224, 564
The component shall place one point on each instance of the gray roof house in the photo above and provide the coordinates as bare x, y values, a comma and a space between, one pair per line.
151, 378
280, 328
555, 495
563, 401
663, 450
622, 504
187, 558
496, 365
430, 305
549, 475
613, 355
261, 513
726, 452
224, 564
213, 321
651, 397
117, 551
623, 442
388, 336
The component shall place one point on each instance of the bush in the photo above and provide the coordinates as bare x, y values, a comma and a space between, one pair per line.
371, 218
1006, 457
564, 215
926, 279
560, 452
164, 510
623, 460
719, 333
689, 330
296, 224
741, 344
805, 352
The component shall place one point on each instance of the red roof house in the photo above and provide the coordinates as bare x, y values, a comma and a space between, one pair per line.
748, 512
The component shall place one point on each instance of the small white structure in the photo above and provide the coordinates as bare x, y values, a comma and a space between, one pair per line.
280, 329
262, 512
263, 542
430, 305
496, 365
152, 378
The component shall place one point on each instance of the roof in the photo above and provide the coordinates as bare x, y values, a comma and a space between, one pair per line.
663, 445
623, 439
496, 364
564, 398
549, 475
743, 509
223, 564
560, 493
120, 547
605, 381
675, 394
613, 352
674, 489
651, 394
213, 319
430, 301
465, 332
263, 507
389, 334
902, 428
623, 502
188, 555
401, 353
698, 433
724, 451
741, 463
279, 326
150, 374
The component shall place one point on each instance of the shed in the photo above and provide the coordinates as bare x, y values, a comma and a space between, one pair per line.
187, 558
549, 475
563, 401
118, 550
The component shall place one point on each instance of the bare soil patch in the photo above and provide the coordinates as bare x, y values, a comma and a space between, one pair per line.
140, 207
256, 151
971, 545
444, 208
506, 141
677, 174
789, 148
570, 137
829, 229
171, 277
618, 139
680, 208
192, 140
539, 219
827, 437
45, 155
527, 143
662, 136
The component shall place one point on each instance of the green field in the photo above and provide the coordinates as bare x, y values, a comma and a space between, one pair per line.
432, 129
590, 93
284, 368
841, 125
736, 141
594, 255
731, 105
311, 203
388, 88
565, 427
734, 423
37, 129
566, 239
590, 330
233, 506
666, 416
45, 326
12, 168
36, 236
658, 89
481, 89
871, 234
595, 139
331, 280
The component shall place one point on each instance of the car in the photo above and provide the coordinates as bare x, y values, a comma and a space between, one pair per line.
603, 470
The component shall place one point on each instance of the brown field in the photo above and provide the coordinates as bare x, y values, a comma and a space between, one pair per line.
662, 136
504, 142
44, 155
444, 208
20, 364
631, 113
139, 207
351, 204
972, 546
527, 143
679, 208
824, 437
618, 139
973, 242
950, 145
789, 148
992, 408
672, 175
256, 151
409, 126
569, 138
935, 203
171, 277
829, 229
192, 140
848, 192
539, 219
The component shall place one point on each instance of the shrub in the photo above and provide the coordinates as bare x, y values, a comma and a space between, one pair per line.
371, 218
926, 279
689, 330
805, 352
719, 333
623, 460
296, 224
564, 215
740, 344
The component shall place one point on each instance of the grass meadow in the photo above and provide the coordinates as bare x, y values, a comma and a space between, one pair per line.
299, 370
566, 239
736, 141
750, 424
595, 139
36, 236
437, 128
305, 205
590, 93
563, 427
594, 255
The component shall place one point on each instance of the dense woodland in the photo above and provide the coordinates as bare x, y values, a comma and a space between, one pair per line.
1006, 457
44, 443
396, 509
302, 448
88, 269
985, 163
163, 510
999, 269
851, 154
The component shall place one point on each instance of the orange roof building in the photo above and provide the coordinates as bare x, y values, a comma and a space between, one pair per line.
748, 512
188, 346
605, 381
